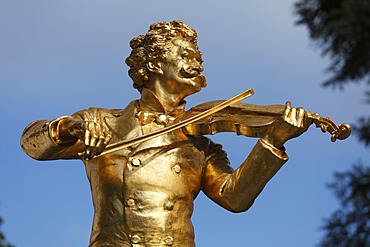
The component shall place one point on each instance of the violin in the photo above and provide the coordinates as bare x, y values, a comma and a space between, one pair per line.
253, 120
232, 116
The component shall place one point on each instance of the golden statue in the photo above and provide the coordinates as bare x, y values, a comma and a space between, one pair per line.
144, 182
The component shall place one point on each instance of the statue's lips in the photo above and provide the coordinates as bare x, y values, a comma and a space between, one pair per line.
194, 74
189, 73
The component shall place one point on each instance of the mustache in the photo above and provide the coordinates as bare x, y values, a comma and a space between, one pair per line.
190, 72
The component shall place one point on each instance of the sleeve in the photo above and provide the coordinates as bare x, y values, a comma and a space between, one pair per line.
237, 190
40, 140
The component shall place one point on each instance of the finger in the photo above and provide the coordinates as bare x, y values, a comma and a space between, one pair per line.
101, 141
90, 152
94, 140
87, 135
97, 140
104, 140
87, 153
82, 154
87, 156
300, 117
289, 113
95, 135
288, 107
98, 148
107, 139
94, 152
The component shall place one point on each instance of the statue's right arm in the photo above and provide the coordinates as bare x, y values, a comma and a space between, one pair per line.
81, 135
40, 140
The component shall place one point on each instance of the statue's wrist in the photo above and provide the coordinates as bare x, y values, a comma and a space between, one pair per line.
275, 142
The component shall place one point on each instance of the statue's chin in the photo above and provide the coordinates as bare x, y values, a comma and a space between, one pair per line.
200, 82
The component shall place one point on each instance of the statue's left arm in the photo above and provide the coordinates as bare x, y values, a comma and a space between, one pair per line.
237, 190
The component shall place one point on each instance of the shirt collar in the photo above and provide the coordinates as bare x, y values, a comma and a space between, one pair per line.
151, 110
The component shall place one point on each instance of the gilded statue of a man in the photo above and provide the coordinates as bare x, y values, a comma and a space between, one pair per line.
143, 194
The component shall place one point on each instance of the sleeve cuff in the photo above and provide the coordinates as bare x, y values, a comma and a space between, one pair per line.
54, 130
280, 153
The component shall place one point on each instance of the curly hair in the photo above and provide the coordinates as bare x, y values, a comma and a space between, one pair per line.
153, 45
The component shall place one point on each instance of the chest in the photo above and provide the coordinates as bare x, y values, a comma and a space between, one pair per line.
175, 169
168, 164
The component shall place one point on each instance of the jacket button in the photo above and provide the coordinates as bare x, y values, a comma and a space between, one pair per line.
177, 168
135, 239
168, 205
135, 162
130, 202
169, 240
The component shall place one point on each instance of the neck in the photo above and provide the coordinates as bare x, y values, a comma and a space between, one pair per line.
159, 102
157, 98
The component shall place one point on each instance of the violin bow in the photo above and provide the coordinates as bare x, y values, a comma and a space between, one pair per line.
126, 143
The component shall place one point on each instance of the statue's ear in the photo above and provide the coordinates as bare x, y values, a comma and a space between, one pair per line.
154, 68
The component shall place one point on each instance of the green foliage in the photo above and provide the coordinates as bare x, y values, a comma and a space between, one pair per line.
362, 129
3, 242
342, 29
350, 225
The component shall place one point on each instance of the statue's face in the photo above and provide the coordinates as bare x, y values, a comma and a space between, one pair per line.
182, 67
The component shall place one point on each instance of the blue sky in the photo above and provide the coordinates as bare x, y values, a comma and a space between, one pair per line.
57, 57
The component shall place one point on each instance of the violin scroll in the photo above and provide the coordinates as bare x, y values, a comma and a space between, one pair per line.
338, 132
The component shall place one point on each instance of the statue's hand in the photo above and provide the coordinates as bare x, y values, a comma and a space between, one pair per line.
291, 124
93, 134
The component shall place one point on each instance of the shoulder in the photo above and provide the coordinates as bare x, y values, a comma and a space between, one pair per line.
95, 112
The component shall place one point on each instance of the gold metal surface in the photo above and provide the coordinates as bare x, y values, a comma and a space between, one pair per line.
144, 182
126, 143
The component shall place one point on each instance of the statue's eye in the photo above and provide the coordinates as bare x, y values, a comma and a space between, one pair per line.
184, 55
